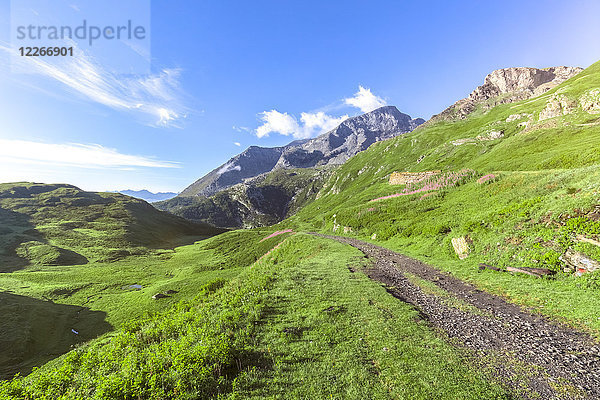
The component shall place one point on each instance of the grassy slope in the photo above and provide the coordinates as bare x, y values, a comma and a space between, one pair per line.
44, 304
297, 324
544, 195
63, 225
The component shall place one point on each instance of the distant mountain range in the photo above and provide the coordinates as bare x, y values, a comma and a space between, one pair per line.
149, 196
332, 148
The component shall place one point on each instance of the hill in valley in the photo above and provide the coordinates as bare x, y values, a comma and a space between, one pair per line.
44, 224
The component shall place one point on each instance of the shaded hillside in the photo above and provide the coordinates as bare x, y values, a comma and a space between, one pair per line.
260, 201
332, 148
62, 225
34, 331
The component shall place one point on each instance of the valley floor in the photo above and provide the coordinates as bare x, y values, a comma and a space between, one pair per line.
289, 315
302, 322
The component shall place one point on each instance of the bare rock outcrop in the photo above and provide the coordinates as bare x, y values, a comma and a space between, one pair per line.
590, 101
404, 178
461, 247
508, 85
557, 106
579, 262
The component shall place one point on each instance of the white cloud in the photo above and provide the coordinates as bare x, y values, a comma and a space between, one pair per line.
310, 125
274, 121
320, 122
229, 167
238, 144
155, 96
365, 100
72, 154
241, 128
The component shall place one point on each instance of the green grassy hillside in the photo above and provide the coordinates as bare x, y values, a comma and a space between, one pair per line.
521, 190
41, 306
264, 314
44, 224
296, 324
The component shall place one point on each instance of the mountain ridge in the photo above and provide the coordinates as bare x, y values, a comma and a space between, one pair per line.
331, 148
259, 201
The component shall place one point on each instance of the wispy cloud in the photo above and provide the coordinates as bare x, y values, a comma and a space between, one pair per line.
365, 100
229, 167
241, 128
310, 124
156, 97
238, 144
73, 154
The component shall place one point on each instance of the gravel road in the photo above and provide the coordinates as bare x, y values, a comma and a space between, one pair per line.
536, 357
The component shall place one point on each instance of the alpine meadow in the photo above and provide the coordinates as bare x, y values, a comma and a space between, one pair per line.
373, 255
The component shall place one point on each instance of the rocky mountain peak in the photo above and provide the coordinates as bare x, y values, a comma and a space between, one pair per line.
332, 148
509, 85
522, 81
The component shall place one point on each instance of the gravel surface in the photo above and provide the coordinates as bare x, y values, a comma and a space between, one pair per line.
535, 357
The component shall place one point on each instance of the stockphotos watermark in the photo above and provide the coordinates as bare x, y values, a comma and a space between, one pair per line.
85, 31
113, 34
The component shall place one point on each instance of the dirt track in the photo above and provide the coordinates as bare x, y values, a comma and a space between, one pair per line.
532, 355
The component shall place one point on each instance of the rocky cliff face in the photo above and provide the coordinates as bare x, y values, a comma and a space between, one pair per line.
332, 148
506, 86
260, 201
250, 163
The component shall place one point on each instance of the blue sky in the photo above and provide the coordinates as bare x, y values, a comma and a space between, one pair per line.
226, 75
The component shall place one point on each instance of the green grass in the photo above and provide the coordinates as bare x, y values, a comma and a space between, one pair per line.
297, 324
45, 303
44, 224
543, 197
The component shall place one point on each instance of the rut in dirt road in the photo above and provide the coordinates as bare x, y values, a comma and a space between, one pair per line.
560, 363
